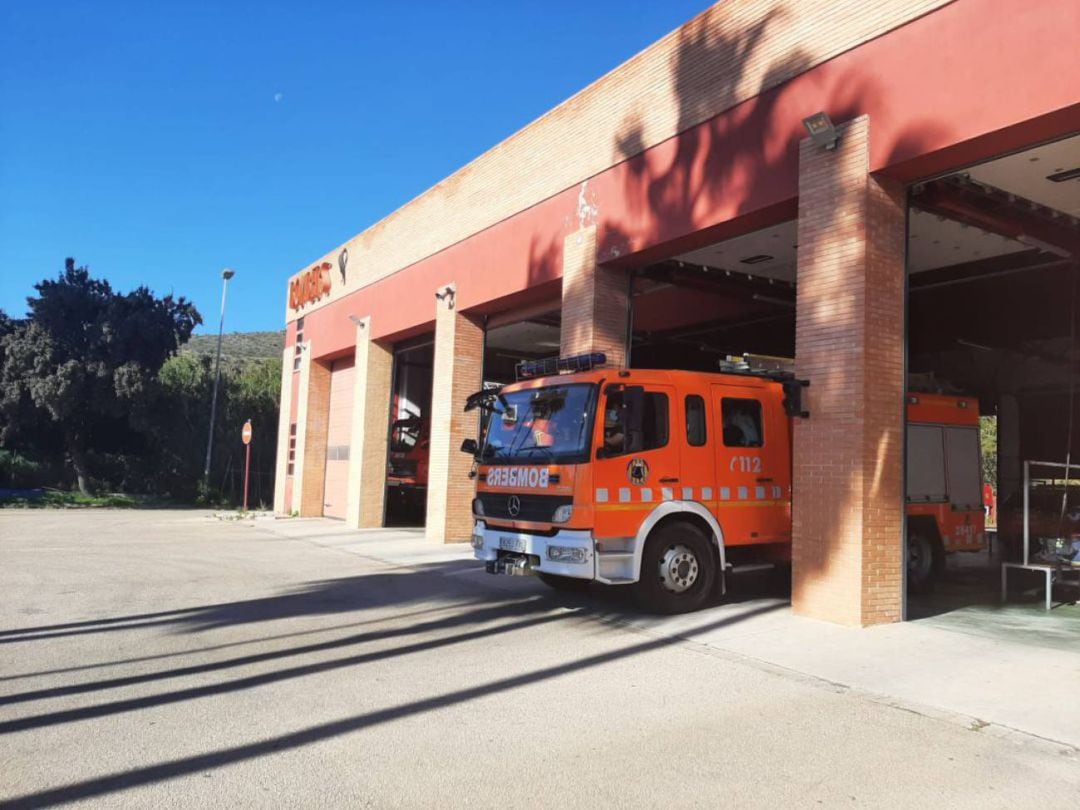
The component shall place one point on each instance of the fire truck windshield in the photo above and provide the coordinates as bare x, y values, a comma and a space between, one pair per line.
541, 426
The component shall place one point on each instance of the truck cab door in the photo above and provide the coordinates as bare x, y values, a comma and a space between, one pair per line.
635, 457
753, 464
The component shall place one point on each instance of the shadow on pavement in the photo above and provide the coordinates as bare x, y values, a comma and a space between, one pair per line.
322, 598
113, 783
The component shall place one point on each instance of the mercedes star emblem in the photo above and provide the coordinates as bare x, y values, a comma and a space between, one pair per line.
513, 505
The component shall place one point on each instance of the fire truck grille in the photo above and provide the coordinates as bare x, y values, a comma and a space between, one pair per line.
538, 508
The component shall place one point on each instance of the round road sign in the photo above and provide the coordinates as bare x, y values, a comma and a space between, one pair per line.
246, 433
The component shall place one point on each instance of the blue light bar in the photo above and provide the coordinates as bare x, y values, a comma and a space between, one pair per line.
559, 365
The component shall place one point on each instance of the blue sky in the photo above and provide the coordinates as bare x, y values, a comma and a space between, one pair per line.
160, 142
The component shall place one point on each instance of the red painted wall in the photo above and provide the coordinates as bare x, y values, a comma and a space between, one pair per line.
968, 81
961, 84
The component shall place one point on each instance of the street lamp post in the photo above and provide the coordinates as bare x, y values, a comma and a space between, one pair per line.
226, 274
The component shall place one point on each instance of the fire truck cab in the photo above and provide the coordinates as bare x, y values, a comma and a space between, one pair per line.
663, 480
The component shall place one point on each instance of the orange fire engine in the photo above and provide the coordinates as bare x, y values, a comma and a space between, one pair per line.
407, 461
669, 480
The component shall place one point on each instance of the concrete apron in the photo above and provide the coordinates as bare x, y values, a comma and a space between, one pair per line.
973, 669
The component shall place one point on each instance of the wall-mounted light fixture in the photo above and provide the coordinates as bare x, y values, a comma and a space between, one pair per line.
822, 131
447, 295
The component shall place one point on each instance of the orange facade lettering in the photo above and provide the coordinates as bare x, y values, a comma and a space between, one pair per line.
310, 286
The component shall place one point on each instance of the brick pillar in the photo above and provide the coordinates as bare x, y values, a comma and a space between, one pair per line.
459, 355
1010, 475
301, 394
849, 342
312, 422
370, 425
284, 411
594, 301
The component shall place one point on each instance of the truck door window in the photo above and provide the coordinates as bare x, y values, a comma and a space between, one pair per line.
656, 421
742, 422
654, 434
695, 421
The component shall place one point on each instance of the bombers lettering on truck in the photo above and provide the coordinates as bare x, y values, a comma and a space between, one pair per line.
534, 477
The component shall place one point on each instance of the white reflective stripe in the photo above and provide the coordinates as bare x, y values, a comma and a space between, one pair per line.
744, 493
725, 494
646, 495
706, 493
624, 495
759, 493
688, 493
666, 493
601, 496
776, 492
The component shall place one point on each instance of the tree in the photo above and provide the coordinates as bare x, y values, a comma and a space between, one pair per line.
86, 357
988, 446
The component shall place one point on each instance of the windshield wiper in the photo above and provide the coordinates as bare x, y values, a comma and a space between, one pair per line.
538, 447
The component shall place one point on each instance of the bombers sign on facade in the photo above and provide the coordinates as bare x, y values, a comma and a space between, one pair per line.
310, 286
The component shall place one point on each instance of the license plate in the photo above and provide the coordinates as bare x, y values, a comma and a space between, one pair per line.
512, 544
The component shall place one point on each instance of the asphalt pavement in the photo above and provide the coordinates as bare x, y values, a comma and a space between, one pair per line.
169, 659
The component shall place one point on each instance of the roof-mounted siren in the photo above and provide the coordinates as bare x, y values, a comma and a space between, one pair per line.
550, 366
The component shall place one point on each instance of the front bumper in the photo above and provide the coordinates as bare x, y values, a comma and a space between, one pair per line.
504, 549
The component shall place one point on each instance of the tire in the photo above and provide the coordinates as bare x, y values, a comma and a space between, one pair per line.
565, 584
678, 570
924, 561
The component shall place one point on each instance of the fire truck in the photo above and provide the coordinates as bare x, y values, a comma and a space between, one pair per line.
669, 481
407, 462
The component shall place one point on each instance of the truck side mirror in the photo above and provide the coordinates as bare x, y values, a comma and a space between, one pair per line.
470, 446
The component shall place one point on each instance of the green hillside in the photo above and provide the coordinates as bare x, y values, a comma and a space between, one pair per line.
239, 345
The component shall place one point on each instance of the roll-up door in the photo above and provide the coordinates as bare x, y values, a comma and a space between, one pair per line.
926, 464
335, 491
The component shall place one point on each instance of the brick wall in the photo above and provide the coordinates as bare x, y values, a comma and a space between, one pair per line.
848, 492
370, 425
316, 424
300, 380
458, 366
281, 467
732, 52
594, 301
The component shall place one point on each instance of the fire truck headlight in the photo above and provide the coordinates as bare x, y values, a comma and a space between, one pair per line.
477, 507
566, 554
562, 513
477, 538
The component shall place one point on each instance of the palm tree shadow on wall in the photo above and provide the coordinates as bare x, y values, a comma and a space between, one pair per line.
709, 72
724, 161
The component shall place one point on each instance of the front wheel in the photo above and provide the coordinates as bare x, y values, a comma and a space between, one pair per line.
677, 570
924, 562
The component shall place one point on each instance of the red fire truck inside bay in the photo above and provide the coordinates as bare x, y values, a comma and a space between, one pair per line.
670, 481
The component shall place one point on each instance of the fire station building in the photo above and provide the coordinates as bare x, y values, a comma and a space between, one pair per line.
886, 190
